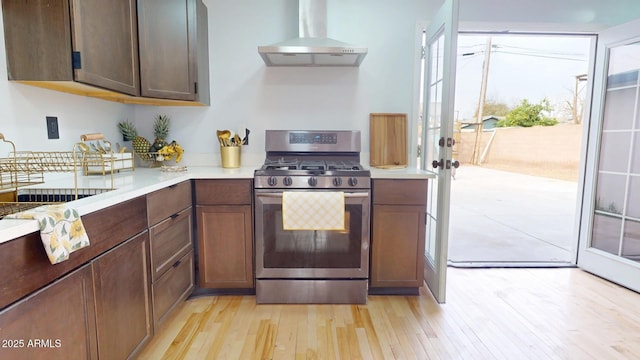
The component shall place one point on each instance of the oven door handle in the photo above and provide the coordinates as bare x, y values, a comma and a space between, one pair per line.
346, 195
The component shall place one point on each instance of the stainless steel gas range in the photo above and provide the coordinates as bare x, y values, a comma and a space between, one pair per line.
312, 263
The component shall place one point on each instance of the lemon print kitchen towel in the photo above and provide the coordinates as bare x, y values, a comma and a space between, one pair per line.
313, 210
61, 230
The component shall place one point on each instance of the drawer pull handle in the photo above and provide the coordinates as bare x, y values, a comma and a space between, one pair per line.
176, 263
174, 215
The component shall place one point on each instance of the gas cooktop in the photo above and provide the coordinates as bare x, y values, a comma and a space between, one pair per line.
325, 165
312, 159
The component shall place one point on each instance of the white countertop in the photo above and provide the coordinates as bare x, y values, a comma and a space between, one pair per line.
130, 184
405, 173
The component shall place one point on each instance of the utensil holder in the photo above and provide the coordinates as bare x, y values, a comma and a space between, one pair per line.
230, 156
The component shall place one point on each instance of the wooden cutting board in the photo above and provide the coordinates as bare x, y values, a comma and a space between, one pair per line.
388, 140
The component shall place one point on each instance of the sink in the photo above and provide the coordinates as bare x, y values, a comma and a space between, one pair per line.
30, 198
55, 195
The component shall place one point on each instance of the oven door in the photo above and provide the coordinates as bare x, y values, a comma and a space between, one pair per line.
311, 254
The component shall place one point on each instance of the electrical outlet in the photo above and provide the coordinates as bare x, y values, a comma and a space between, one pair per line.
52, 127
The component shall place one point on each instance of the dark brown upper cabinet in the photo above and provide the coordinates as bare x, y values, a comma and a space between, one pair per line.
173, 43
140, 52
104, 37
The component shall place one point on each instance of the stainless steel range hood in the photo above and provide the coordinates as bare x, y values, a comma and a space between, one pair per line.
312, 47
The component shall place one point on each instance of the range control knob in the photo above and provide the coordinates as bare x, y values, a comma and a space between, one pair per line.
337, 181
313, 181
287, 181
353, 181
272, 181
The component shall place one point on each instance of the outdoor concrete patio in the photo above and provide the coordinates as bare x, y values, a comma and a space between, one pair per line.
502, 218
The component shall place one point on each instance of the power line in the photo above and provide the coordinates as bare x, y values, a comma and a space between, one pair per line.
539, 50
540, 56
475, 53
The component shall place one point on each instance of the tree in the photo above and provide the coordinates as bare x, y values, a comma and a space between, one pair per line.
493, 107
527, 115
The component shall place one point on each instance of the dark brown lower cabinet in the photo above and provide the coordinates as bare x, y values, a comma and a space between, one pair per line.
123, 305
398, 236
398, 246
225, 246
172, 288
56, 322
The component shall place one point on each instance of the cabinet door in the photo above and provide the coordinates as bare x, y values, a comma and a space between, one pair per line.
397, 246
37, 50
225, 246
105, 37
57, 322
123, 308
169, 241
172, 288
168, 48
166, 202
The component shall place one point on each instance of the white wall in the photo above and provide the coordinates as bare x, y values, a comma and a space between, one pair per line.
23, 110
246, 93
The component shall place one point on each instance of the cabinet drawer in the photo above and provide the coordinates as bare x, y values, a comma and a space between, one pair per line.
400, 192
165, 202
224, 192
170, 240
173, 287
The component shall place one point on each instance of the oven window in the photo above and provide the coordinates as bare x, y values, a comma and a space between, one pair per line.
312, 248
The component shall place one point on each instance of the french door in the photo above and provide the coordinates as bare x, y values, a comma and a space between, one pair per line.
610, 223
437, 131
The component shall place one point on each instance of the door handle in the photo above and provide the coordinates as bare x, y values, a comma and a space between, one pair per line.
440, 164
346, 195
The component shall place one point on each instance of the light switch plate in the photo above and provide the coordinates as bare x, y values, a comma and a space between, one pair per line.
52, 127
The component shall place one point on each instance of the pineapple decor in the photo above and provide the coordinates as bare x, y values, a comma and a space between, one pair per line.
160, 130
139, 143
160, 150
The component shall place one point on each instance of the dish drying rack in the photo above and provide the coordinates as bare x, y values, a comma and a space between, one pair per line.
26, 168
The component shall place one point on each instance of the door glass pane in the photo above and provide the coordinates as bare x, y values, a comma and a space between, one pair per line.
616, 184
635, 155
633, 207
606, 233
631, 242
434, 120
614, 152
610, 193
618, 114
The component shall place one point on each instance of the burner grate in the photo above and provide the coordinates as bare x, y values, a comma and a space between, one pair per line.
343, 165
280, 164
313, 165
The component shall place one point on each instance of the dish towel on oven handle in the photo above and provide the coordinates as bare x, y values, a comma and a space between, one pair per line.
61, 230
313, 210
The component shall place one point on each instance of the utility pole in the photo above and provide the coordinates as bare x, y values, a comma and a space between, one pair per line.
475, 156
577, 117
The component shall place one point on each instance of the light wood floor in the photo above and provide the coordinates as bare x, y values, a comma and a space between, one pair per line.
489, 314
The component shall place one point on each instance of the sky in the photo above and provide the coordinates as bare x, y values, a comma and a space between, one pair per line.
520, 67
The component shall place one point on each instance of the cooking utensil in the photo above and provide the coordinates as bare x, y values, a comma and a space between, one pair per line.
236, 140
84, 147
224, 137
245, 141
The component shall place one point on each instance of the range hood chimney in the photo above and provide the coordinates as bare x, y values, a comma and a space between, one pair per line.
312, 47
